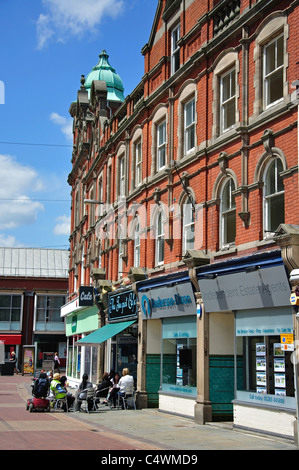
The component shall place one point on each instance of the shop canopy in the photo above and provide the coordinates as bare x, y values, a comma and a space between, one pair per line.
104, 333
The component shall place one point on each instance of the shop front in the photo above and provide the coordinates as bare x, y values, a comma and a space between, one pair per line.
119, 334
11, 342
80, 321
168, 306
255, 291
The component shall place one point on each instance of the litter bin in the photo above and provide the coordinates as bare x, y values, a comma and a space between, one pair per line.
7, 368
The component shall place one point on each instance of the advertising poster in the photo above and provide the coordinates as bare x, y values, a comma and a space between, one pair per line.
28, 359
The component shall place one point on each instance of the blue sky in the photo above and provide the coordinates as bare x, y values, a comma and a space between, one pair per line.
46, 45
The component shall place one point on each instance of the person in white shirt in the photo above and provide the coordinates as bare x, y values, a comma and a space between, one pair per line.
126, 383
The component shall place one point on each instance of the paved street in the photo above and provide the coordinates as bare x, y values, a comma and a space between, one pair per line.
145, 430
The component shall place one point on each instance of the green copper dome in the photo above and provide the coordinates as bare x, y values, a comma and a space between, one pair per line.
103, 71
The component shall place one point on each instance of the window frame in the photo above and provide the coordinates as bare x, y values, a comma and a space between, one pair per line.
228, 184
187, 226
189, 127
122, 176
137, 245
175, 49
232, 98
160, 240
138, 163
267, 77
268, 198
121, 253
13, 325
161, 147
46, 311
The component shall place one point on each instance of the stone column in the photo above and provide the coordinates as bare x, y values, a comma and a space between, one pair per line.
203, 407
138, 274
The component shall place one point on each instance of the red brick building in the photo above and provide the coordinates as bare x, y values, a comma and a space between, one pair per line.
33, 287
195, 174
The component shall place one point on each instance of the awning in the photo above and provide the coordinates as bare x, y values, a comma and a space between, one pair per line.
104, 333
11, 339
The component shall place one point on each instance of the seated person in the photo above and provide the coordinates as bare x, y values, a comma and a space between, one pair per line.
57, 389
41, 386
114, 389
104, 386
126, 383
69, 396
81, 393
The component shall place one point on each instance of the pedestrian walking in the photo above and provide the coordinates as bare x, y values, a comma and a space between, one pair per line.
56, 363
13, 358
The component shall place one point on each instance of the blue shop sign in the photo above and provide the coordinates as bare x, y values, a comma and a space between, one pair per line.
122, 305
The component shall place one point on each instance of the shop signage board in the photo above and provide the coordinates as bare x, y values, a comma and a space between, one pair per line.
287, 339
263, 288
122, 305
85, 296
168, 301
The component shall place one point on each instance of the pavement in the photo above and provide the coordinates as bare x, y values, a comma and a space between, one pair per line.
148, 430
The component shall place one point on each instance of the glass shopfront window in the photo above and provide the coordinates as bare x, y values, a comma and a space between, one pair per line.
74, 358
179, 355
264, 369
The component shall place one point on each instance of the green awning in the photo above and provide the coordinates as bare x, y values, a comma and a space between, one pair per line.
104, 333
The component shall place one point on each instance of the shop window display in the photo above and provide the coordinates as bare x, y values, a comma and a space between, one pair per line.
179, 363
264, 367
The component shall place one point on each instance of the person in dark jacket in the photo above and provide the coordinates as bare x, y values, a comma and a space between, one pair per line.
104, 386
41, 386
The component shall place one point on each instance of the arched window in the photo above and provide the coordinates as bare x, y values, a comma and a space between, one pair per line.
160, 239
188, 226
227, 214
273, 196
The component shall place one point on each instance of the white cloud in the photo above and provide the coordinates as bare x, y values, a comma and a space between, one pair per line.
63, 225
9, 241
66, 125
16, 207
65, 17
44, 31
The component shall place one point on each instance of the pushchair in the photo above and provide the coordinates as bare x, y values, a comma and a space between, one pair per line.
40, 390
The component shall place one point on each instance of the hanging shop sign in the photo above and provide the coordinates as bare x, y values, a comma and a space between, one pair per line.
122, 305
168, 301
85, 296
262, 288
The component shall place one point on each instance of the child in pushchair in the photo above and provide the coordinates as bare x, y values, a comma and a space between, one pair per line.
40, 391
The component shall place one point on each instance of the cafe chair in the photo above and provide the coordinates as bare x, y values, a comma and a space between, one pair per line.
59, 403
87, 403
127, 401
101, 400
